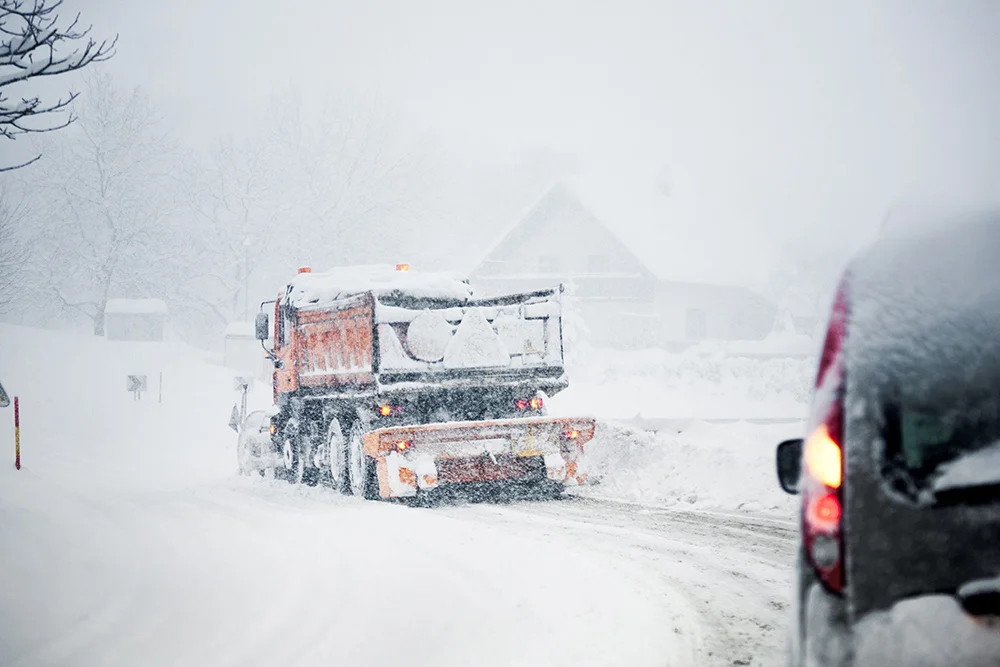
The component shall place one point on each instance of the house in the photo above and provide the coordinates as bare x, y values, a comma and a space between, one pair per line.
135, 319
243, 353
642, 275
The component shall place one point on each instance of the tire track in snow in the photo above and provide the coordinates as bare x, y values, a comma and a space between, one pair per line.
731, 573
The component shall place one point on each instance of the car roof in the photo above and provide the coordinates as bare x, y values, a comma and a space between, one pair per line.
925, 307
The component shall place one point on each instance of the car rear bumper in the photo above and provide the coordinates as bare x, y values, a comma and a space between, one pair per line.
924, 631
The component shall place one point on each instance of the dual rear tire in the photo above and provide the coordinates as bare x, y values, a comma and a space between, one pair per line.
342, 461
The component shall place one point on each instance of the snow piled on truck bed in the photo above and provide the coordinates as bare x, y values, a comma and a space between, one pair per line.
312, 289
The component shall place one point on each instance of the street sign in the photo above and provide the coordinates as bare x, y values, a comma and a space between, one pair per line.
4, 399
242, 382
234, 419
136, 384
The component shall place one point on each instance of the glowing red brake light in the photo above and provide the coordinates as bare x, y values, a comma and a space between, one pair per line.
521, 404
822, 455
825, 511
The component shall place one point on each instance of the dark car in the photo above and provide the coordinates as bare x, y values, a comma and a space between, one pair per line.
899, 560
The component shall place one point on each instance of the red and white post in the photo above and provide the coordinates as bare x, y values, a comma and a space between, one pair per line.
17, 434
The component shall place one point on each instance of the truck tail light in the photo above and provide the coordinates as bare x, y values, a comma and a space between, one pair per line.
822, 456
389, 410
572, 434
273, 429
403, 445
535, 403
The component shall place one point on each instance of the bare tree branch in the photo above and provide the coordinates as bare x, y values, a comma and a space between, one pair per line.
32, 45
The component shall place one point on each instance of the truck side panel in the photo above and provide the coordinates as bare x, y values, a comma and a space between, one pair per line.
336, 346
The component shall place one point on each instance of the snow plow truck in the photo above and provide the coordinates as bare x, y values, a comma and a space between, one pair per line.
391, 383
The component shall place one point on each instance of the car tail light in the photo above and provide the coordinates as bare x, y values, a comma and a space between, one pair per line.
822, 455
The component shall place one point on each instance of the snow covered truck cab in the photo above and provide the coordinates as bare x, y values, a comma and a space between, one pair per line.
391, 383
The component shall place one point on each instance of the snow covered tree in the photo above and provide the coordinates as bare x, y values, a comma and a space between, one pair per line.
12, 247
32, 46
238, 213
361, 185
104, 205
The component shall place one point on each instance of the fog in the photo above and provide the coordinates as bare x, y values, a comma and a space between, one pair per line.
796, 124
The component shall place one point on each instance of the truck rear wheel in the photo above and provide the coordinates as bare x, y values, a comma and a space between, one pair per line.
336, 453
362, 478
293, 465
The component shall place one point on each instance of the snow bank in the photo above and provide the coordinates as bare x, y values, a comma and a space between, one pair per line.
703, 383
309, 289
705, 466
78, 422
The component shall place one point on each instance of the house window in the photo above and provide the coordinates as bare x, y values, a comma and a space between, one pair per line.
696, 324
548, 264
598, 264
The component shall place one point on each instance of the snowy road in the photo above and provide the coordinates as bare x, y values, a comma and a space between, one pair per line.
724, 578
251, 572
127, 539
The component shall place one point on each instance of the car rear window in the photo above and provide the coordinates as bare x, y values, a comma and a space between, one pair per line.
924, 445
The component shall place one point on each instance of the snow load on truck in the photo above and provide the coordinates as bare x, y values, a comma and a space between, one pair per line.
429, 322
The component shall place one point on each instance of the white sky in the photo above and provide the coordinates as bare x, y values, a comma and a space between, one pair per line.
802, 119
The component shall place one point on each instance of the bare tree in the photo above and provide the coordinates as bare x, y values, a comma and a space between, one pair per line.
12, 246
360, 183
238, 212
106, 205
32, 45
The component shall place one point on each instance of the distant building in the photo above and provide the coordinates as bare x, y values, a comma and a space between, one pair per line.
135, 319
645, 281
243, 352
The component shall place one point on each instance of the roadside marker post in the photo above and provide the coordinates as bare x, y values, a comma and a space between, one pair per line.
17, 433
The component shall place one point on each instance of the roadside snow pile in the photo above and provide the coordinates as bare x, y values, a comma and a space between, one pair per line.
703, 383
705, 466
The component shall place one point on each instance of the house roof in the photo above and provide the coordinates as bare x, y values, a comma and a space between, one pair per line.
661, 231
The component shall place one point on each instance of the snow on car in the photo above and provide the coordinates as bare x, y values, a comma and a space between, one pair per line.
899, 472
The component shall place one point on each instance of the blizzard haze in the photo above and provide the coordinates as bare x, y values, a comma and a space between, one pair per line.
795, 124
545, 282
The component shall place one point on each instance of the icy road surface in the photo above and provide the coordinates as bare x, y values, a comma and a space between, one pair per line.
128, 539
256, 573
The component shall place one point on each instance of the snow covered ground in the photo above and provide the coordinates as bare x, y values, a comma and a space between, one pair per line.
129, 539
704, 466
703, 383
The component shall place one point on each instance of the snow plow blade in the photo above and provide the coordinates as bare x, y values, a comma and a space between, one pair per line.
428, 456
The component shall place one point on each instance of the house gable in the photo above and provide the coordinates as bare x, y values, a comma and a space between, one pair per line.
559, 240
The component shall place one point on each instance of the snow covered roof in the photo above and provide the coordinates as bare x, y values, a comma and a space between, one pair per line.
384, 280
135, 307
663, 231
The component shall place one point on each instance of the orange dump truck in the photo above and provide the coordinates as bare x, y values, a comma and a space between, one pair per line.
391, 383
